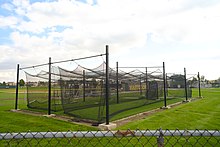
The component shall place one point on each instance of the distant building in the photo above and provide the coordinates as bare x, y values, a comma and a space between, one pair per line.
11, 84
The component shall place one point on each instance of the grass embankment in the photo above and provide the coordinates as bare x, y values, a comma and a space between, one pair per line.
16, 122
200, 114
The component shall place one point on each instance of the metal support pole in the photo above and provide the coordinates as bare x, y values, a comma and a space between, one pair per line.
17, 84
164, 86
107, 86
84, 86
160, 139
117, 86
185, 82
140, 87
147, 88
199, 85
49, 88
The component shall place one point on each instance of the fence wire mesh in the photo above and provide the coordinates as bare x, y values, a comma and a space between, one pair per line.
114, 138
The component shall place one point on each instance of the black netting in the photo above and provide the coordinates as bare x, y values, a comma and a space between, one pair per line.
37, 91
82, 92
134, 90
176, 86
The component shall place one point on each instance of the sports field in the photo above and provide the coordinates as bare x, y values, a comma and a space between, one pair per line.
200, 114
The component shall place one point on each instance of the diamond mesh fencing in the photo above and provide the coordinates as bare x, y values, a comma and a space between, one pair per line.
158, 138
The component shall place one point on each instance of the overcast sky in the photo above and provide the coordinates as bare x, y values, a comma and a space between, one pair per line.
181, 33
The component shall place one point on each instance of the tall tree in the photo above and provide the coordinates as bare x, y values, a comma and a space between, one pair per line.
22, 83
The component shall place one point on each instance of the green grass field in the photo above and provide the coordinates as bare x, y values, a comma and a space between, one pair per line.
16, 122
200, 114
129, 103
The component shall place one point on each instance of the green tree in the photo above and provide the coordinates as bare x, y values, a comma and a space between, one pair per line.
22, 83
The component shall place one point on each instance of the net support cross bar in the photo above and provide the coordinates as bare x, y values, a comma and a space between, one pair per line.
61, 61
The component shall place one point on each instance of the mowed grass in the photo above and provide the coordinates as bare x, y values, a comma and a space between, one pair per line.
200, 114
16, 122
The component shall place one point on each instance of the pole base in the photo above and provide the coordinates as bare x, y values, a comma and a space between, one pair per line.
105, 127
186, 101
14, 110
51, 115
167, 107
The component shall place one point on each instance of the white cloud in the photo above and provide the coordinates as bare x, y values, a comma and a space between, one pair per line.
8, 21
175, 27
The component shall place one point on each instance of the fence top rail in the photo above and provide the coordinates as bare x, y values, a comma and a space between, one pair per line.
62, 61
97, 134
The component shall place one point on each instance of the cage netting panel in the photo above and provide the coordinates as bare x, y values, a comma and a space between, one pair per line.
134, 89
83, 93
192, 82
176, 86
37, 91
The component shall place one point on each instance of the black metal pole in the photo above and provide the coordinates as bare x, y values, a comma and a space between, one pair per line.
117, 86
84, 86
199, 85
107, 86
146, 84
49, 88
17, 84
164, 86
185, 82
140, 87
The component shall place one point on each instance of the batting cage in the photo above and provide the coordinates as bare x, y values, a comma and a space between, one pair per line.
134, 87
99, 93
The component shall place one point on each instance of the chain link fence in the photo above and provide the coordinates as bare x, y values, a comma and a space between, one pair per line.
158, 138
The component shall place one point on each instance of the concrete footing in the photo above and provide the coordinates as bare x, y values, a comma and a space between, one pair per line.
186, 101
15, 110
167, 107
51, 115
105, 127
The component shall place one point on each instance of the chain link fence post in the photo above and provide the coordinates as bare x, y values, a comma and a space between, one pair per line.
160, 139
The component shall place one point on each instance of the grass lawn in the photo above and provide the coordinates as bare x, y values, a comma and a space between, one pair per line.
16, 122
200, 114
